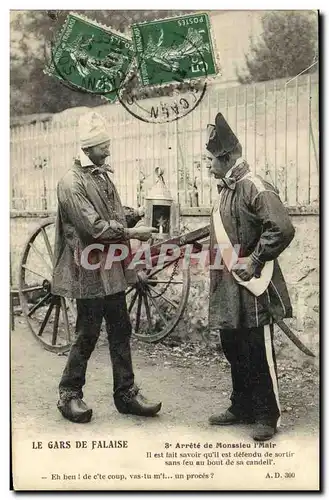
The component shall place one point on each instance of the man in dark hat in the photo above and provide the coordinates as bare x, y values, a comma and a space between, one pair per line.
251, 227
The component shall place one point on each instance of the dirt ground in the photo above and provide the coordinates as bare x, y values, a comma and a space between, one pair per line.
192, 380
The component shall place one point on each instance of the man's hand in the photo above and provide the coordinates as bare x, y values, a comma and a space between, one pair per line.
246, 268
141, 233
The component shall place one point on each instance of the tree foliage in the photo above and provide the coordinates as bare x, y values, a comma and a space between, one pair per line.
31, 33
287, 46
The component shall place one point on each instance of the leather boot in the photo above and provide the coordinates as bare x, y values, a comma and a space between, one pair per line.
75, 410
134, 403
228, 418
264, 431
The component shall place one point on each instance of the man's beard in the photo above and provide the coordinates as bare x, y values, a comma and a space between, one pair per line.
102, 159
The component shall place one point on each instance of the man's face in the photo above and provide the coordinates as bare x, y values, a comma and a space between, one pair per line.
99, 153
217, 166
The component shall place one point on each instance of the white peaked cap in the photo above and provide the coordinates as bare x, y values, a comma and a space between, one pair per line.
93, 130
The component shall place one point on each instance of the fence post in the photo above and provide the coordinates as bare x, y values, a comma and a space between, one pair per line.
245, 120
285, 144
309, 135
265, 127
255, 128
202, 147
297, 130
275, 133
177, 164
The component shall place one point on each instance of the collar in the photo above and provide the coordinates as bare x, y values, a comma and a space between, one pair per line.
238, 172
85, 160
236, 164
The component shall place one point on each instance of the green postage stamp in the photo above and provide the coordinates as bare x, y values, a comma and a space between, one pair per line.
90, 57
174, 49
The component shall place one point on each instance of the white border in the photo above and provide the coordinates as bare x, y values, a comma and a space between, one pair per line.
4, 198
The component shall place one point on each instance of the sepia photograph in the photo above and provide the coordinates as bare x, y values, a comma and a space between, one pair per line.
164, 250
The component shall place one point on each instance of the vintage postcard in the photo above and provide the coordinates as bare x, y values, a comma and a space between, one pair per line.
164, 261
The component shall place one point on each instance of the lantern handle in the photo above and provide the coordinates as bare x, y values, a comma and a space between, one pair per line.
159, 173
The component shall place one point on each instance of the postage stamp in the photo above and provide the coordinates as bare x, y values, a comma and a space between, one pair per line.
90, 57
174, 49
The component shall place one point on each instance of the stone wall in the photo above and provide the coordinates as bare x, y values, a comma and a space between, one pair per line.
300, 266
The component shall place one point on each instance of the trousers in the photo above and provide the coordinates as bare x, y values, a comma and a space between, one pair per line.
251, 354
90, 315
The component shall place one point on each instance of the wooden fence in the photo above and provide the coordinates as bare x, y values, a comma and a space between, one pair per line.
277, 123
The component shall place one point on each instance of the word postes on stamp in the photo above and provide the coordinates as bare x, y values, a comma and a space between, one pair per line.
174, 49
90, 57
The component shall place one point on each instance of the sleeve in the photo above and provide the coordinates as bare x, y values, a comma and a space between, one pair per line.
85, 218
132, 216
277, 229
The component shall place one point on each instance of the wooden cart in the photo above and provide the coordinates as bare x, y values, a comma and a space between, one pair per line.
155, 303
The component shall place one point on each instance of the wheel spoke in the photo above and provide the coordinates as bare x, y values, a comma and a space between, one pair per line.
47, 242
148, 312
55, 325
34, 272
129, 290
32, 289
66, 320
175, 306
165, 322
161, 282
131, 305
71, 307
45, 319
138, 314
42, 310
39, 304
39, 254
156, 270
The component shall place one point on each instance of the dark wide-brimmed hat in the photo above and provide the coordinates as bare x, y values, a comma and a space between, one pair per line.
220, 137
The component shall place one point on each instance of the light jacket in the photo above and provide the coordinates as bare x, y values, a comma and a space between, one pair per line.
89, 211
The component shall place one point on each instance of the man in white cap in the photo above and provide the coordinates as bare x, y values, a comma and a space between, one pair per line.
89, 213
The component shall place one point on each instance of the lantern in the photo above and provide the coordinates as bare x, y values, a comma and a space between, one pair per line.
160, 209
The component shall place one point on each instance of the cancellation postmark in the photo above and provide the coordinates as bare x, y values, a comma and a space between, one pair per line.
174, 49
182, 101
90, 57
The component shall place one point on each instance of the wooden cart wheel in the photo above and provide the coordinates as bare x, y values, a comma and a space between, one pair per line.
158, 300
155, 304
50, 318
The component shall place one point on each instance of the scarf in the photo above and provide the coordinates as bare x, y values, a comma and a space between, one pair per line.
236, 175
103, 169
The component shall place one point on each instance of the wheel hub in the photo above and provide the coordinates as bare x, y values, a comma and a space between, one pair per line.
46, 285
142, 278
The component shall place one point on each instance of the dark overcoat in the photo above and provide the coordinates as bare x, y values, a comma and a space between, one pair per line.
254, 218
89, 211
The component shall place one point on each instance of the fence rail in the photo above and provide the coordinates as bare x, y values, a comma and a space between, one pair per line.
277, 124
